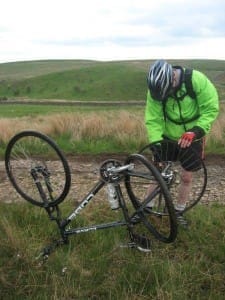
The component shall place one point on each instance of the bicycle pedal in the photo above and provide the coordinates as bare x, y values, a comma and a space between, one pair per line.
129, 245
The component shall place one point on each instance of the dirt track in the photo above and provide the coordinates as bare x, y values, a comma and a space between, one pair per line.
85, 171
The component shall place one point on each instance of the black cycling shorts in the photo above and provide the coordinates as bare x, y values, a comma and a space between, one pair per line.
190, 157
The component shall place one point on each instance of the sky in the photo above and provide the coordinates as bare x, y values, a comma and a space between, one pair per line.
112, 30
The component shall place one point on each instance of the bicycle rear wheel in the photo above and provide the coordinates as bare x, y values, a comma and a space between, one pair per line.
37, 168
144, 184
199, 174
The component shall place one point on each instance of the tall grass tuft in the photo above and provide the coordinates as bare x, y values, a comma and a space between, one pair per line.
109, 131
216, 139
100, 131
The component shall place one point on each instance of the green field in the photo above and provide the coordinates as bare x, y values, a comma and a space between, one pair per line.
90, 80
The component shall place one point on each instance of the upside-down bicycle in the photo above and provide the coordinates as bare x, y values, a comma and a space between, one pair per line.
40, 173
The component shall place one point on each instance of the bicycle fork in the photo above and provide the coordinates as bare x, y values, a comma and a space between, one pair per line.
36, 172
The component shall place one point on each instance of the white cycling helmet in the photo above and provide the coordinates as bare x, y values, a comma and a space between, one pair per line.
159, 80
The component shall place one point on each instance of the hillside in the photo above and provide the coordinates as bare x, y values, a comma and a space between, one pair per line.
90, 80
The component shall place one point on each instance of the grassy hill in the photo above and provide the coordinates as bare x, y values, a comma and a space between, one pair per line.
90, 80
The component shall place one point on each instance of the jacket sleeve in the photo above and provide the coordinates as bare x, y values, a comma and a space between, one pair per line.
207, 98
154, 119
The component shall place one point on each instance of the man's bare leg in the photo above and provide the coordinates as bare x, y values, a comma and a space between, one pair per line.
184, 191
150, 189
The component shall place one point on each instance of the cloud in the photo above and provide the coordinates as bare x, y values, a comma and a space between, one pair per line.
119, 29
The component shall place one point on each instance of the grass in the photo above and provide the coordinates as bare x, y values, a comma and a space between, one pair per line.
30, 69
92, 130
101, 82
26, 110
90, 80
93, 266
81, 132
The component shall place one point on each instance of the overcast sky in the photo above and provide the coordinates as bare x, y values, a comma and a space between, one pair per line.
111, 30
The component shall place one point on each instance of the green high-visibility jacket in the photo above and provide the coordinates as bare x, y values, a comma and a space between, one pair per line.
182, 115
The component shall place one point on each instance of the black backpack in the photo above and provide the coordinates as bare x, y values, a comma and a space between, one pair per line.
187, 76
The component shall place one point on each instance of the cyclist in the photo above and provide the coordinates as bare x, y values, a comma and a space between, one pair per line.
171, 113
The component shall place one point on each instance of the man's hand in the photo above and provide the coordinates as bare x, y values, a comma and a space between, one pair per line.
186, 139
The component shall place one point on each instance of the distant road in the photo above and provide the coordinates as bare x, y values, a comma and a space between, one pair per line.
72, 102
78, 103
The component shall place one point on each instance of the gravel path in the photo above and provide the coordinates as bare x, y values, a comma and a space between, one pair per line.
85, 171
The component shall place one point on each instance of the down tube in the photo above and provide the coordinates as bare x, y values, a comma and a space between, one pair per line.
86, 200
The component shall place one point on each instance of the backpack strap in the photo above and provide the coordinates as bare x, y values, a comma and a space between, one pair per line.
188, 83
187, 79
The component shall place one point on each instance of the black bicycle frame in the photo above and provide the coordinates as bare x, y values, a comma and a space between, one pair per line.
62, 224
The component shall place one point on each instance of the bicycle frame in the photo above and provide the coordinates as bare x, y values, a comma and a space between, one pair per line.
63, 224
43, 183
85, 202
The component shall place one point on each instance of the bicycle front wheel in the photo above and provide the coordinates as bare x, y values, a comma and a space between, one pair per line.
144, 184
37, 168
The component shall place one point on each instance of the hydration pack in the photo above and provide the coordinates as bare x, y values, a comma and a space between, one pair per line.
187, 76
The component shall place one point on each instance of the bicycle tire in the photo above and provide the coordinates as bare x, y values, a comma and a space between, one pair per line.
37, 168
199, 176
162, 227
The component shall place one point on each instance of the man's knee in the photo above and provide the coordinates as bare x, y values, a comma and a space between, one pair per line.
186, 177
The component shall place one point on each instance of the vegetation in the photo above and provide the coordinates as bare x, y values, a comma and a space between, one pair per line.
94, 266
89, 80
92, 130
